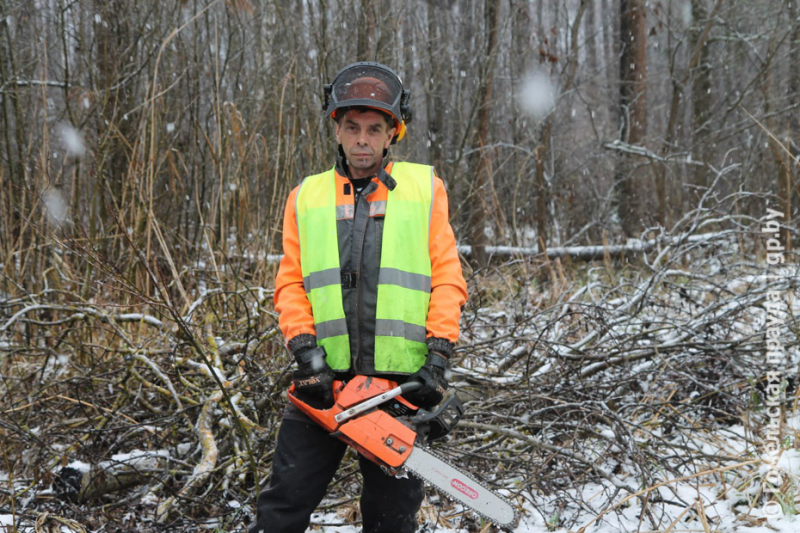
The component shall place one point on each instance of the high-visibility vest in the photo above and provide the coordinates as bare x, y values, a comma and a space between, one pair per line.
404, 278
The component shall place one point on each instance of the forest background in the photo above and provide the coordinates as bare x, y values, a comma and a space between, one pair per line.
610, 166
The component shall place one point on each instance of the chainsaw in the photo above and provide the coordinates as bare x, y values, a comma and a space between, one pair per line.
371, 416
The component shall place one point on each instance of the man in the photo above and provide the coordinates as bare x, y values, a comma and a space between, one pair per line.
370, 284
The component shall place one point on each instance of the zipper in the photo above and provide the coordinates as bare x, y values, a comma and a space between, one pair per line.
357, 196
357, 358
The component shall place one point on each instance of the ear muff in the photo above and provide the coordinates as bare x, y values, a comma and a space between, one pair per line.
405, 107
327, 90
400, 133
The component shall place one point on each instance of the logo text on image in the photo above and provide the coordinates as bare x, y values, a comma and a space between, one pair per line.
460, 486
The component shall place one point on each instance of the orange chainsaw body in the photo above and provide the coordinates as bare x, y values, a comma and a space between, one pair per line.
377, 435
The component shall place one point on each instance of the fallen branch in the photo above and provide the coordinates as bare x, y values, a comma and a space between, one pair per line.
207, 462
552, 449
80, 482
586, 253
619, 146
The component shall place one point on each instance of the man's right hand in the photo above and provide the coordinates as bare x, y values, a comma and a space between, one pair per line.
313, 379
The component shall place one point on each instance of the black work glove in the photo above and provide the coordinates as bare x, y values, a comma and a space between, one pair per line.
313, 379
434, 384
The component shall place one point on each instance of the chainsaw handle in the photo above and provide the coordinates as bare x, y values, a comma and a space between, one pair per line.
410, 386
366, 405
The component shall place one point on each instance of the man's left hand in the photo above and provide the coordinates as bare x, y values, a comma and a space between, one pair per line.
434, 383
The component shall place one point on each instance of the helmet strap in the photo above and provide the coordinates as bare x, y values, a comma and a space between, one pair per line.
386, 179
341, 162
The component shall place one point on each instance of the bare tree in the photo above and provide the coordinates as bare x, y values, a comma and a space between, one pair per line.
481, 167
633, 190
365, 50
702, 102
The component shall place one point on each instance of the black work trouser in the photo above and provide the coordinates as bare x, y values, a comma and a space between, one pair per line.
305, 461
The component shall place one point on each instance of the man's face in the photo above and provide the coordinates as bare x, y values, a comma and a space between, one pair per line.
364, 135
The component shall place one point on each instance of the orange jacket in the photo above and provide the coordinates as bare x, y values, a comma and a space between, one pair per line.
448, 288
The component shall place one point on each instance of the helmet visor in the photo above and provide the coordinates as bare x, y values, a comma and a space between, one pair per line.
368, 85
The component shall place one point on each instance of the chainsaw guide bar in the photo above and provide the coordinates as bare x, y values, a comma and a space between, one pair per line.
448, 479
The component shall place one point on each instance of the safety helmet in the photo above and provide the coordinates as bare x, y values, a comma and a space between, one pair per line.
368, 84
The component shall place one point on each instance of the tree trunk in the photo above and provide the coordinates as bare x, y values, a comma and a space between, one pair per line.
434, 81
543, 191
590, 38
701, 96
610, 24
777, 147
794, 125
386, 46
113, 38
481, 164
366, 31
633, 108
518, 65
673, 119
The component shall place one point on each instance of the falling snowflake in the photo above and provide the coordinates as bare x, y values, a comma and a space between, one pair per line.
55, 205
536, 95
72, 138
686, 13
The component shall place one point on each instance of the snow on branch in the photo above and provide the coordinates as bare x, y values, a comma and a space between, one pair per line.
633, 149
586, 253
39, 83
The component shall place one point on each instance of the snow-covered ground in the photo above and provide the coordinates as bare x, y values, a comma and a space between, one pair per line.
725, 507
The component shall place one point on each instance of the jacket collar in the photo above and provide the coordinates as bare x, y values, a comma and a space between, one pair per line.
383, 176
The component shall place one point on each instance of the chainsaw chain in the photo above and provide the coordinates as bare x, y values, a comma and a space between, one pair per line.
508, 527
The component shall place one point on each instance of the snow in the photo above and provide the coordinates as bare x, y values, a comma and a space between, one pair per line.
139, 458
26, 527
55, 205
138, 317
72, 138
720, 517
536, 94
686, 12
80, 466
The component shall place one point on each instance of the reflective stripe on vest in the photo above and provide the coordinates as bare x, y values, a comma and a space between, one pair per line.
404, 279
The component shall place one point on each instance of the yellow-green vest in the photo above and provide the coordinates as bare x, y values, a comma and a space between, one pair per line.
404, 279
